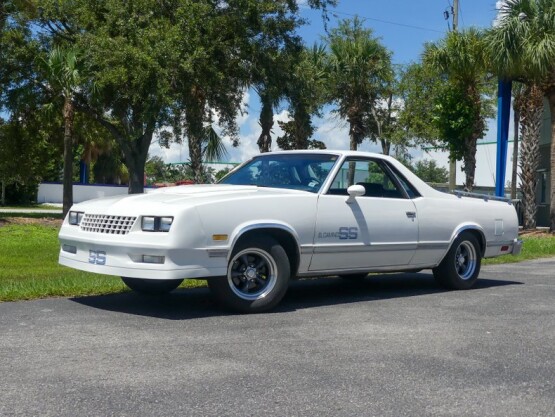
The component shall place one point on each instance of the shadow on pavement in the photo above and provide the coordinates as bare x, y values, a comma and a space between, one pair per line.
198, 303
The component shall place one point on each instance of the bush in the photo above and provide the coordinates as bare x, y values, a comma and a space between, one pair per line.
21, 194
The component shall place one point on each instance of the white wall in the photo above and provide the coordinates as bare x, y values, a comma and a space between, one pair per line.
486, 159
52, 192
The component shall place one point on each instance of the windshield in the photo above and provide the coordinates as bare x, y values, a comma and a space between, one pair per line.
305, 172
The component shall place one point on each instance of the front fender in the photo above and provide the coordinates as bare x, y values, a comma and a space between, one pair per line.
246, 227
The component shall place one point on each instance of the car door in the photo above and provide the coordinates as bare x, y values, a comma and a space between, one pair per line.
378, 229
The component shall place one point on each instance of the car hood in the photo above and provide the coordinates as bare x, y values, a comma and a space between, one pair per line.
171, 199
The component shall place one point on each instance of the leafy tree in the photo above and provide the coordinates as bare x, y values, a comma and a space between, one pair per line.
27, 157
522, 47
177, 62
159, 172
359, 69
385, 126
462, 60
221, 173
155, 169
418, 90
429, 171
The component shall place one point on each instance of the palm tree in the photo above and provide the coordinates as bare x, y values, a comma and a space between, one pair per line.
529, 106
522, 46
269, 99
462, 59
305, 90
63, 78
359, 69
204, 143
269, 74
517, 92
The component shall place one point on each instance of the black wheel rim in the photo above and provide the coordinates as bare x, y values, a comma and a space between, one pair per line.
252, 274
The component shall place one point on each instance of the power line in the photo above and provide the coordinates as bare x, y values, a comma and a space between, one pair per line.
335, 13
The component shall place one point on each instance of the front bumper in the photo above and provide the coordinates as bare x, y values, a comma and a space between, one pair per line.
121, 256
146, 271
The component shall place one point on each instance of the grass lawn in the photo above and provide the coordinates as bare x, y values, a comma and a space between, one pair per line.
29, 262
6, 215
32, 207
535, 246
29, 266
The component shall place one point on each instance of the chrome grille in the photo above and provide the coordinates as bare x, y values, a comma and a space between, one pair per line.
102, 223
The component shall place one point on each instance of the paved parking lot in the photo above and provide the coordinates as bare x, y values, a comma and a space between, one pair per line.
392, 345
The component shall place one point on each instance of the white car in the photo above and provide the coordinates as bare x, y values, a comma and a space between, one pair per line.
289, 214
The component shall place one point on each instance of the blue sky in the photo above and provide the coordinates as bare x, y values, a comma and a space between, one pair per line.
403, 25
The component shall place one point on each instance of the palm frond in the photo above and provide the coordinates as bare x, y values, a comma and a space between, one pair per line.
214, 147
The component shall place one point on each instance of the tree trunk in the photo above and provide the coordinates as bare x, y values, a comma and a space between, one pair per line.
356, 129
135, 152
531, 112
135, 155
3, 193
266, 123
551, 98
386, 146
68, 113
135, 164
470, 162
469, 157
195, 157
516, 122
302, 128
194, 117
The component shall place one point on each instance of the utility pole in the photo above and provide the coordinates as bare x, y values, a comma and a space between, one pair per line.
453, 163
455, 15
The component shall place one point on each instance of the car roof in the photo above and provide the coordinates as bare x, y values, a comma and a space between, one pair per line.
329, 152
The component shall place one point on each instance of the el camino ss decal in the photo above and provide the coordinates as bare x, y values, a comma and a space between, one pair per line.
344, 233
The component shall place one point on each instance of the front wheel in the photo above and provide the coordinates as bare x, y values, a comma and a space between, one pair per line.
257, 276
460, 268
151, 286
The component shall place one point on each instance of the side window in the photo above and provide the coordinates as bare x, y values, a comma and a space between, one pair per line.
368, 173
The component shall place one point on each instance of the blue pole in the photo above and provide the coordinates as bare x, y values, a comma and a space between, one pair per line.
83, 173
503, 118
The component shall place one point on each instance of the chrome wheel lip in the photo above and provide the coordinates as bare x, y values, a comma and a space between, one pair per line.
465, 260
264, 260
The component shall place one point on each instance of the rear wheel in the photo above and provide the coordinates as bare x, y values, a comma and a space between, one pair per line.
152, 286
460, 268
257, 276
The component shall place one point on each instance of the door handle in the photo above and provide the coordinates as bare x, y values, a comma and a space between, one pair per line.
411, 214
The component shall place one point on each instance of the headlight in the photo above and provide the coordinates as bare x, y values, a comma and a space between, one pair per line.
165, 223
156, 224
75, 217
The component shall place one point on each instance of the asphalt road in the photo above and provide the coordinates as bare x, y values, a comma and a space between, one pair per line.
390, 346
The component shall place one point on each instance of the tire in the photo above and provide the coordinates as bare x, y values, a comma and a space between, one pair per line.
359, 276
257, 278
152, 286
460, 268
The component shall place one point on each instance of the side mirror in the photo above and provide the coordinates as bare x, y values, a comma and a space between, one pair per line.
355, 191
